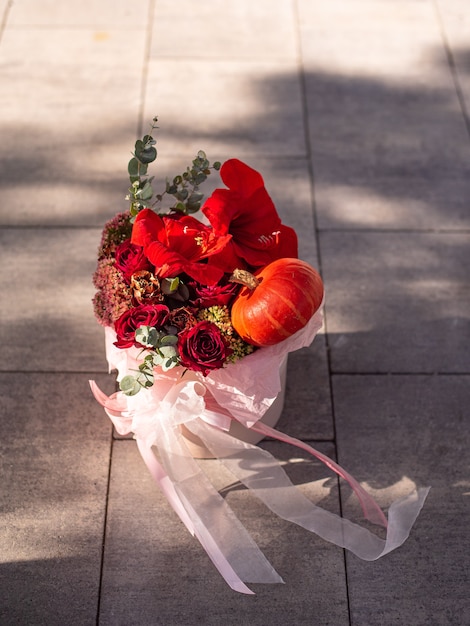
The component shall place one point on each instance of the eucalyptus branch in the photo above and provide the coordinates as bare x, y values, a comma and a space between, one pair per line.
184, 188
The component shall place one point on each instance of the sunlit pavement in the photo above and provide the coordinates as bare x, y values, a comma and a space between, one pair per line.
355, 112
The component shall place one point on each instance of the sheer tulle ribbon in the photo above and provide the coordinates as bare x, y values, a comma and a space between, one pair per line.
206, 407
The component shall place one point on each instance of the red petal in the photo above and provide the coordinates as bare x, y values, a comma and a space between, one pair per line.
240, 177
148, 226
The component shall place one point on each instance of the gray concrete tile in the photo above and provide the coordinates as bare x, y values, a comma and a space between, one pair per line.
249, 108
397, 302
386, 156
307, 410
369, 38
65, 149
455, 19
393, 431
363, 200
49, 325
105, 13
389, 141
156, 573
234, 29
55, 449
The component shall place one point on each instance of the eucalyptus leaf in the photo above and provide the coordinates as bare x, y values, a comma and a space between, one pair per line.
194, 201
147, 191
168, 340
129, 385
148, 155
182, 195
133, 167
180, 206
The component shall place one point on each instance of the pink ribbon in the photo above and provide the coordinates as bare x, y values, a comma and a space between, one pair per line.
156, 421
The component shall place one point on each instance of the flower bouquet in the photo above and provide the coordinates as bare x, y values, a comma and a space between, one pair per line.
200, 314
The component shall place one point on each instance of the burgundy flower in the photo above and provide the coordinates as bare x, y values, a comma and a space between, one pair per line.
143, 315
182, 318
130, 258
205, 296
202, 348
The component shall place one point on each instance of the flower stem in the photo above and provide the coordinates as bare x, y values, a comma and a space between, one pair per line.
247, 279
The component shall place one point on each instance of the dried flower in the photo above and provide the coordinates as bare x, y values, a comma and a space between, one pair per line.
146, 288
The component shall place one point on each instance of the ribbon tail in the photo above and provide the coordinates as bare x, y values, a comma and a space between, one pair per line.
260, 472
369, 506
187, 514
205, 513
162, 479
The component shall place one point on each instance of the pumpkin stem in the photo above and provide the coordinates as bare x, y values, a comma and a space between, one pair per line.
242, 277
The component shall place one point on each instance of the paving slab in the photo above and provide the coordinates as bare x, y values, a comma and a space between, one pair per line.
455, 20
238, 29
397, 302
307, 410
105, 14
368, 38
252, 107
389, 142
49, 325
156, 573
62, 149
55, 457
394, 432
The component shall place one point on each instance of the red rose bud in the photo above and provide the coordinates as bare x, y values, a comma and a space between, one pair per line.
130, 258
205, 296
202, 348
143, 315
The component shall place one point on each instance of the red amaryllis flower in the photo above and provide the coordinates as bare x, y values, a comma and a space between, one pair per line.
246, 212
143, 315
202, 348
177, 245
130, 259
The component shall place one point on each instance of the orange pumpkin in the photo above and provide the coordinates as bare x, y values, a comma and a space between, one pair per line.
276, 301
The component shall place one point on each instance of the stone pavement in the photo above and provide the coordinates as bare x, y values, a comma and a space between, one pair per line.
356, 112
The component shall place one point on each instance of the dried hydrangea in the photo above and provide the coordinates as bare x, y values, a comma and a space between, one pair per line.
115, 232
113, 297
220, 316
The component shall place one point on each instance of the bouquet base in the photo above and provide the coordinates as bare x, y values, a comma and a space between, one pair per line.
199, 451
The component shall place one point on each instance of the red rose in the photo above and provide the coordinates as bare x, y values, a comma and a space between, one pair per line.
202, 348
246, 212
205, 296
143, 315
130, 259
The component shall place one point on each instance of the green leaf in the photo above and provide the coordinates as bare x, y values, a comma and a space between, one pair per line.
148, 155
133, 167
129, 385
168, 340
147, 336
174, 284
148, 140
182, 195
147, 191
217, 165
179, 206
194, 201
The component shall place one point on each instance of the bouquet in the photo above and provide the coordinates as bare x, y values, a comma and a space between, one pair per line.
200, 314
